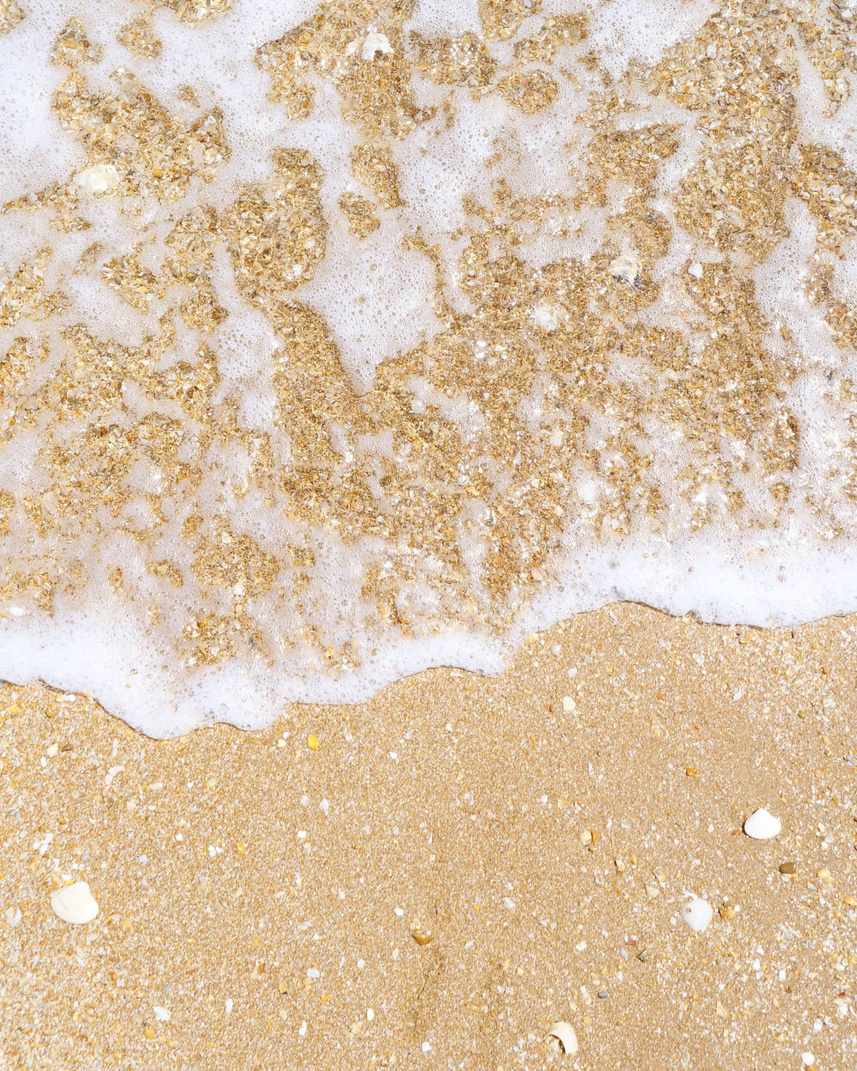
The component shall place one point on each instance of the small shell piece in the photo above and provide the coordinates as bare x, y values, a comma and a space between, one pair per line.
697, 914
374, 43
74, 903
546, 317
97, 179
761, 825
566, 1036
627, 268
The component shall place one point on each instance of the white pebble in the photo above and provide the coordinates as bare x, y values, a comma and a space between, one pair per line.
508, 903
97, 179
161, 1014
74, 903
627, 268
695, 270
697, 914
313, 972
807, 1059
374, 43
761, 825
426, 1047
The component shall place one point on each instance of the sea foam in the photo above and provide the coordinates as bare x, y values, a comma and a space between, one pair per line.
230, 484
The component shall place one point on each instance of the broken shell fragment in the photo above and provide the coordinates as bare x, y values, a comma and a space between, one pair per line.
627, 268
761, 825
97, 179
697, 914
546, 317
564, 1033
74, 903
421, 937
374, 43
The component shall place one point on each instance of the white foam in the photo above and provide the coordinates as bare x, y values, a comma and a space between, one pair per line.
377, 299
626, 30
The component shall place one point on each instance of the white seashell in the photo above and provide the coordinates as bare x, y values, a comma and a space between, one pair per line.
97, 179
74, 903
626, 268
546, 317
761, 825
697, 914
564, 1032
374, 43
161, 1014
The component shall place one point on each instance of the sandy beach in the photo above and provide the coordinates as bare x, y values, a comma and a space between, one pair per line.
343, 339
456, 866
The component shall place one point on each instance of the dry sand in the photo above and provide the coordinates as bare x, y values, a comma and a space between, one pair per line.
545, 851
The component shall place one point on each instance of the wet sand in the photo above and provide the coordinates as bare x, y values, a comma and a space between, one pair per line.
545, 851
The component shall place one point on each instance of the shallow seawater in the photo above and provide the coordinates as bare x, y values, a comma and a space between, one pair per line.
345, 339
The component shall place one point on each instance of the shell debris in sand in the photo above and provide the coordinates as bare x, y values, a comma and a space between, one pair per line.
762, 825
74, 903
627, 268
546, 317
697, 914
373, 44
564, 1033
97, 179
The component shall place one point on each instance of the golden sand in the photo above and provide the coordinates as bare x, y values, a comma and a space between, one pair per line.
463, 861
